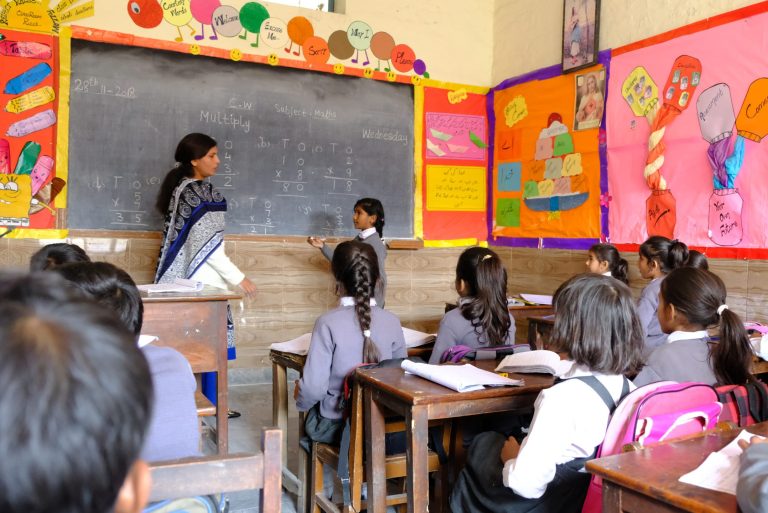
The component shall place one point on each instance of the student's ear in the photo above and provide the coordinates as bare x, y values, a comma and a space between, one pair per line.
603, 266
134, 494
461, 286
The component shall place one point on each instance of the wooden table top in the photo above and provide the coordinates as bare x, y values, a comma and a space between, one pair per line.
415, 390
654, 471
207, 294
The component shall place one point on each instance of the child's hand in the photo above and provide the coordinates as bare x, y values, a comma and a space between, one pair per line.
296, 390
510, 449
316, 242
754, 440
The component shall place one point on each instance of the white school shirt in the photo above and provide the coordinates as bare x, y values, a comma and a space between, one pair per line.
569, 422
608, 273
686, 335
367, 233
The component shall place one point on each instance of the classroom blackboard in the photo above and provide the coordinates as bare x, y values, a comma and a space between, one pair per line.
297, 148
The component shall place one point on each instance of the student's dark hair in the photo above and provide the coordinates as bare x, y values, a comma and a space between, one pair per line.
697, 259
697, 294
669, 254
486, 305
373, 207
356, 269
53, 255
597, 325
191, 147
618, 266
75, 403
109, 286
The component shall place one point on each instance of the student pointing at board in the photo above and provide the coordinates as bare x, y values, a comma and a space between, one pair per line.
193, 234
368, 217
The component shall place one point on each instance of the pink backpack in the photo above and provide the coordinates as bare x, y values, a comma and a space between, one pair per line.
654, 413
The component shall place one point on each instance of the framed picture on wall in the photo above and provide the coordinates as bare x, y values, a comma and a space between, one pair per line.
581, 26
590, 100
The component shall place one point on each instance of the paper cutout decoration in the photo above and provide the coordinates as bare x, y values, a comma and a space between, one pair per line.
716, 116
25, 49
31, 100
640, 91
725, 225
15, 198
456, 188
752, 121
28, 79
5, 157
515, 111
678, 90
27, 158
32, 124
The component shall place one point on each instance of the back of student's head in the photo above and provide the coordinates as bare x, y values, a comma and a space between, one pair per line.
700, 295
54, 255
697, 259
75, 401
597, 325
668, 254
618, 266
356, 269
485, 280
373, 207
109, 286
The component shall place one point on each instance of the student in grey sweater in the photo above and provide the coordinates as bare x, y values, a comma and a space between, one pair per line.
482, 318
752, 487
690, 301
356, 332
658, 256
368, 217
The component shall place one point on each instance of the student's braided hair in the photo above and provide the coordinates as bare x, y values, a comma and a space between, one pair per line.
356, 269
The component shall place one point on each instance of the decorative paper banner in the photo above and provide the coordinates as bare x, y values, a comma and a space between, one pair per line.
456, 136
752, 122
456, 188
640, 91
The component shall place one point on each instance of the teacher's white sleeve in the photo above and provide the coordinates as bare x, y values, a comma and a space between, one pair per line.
220, 262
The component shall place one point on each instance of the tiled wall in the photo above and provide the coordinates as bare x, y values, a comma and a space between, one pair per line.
295, 285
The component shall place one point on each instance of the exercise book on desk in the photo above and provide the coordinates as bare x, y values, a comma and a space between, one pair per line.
300, 344
540, 361
462, 378
177, 285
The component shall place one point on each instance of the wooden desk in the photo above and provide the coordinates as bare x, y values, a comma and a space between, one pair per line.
647, 480
539, 327
521, 314
419, 401
195, 324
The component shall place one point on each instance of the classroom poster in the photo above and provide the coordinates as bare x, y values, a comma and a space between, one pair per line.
454, 154
714, 160
29, 186
546, 168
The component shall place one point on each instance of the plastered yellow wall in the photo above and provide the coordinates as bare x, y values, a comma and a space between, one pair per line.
528, 34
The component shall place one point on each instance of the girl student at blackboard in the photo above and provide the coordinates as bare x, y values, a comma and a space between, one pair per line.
193, 234
368, 217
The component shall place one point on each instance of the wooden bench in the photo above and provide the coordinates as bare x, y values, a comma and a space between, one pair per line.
205, 408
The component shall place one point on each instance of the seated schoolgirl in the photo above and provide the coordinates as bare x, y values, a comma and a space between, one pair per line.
356, 332
482, 317
658, 257
697, 259
691, 301
596, 325
605, 259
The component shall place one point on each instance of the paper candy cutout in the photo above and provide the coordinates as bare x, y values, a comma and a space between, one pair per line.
515, 110
716, 116
640, 91
682, 82
725, 225
752, 121
27, 158
661, 213
5, 157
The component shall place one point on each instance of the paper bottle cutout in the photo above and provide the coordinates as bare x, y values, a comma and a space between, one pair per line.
716, 116
661, 213
682, 82
752, 121
725, 225
5, 157
640, 91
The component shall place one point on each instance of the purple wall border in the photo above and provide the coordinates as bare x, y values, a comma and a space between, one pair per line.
603, 58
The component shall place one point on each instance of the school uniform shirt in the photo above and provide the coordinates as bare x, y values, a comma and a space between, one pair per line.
336, 348
219, 271
647, 306
371, 237
685, 357
752, 486
569, 422
455, 330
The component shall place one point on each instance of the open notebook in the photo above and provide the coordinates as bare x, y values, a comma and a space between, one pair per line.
300, 344
462, 378
177, 285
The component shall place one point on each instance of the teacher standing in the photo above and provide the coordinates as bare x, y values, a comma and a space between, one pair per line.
193, 233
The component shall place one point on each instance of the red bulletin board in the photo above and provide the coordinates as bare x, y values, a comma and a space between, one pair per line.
29, 89
454, 132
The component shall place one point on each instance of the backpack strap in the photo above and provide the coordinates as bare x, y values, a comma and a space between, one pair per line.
758, 401
342, 471
600, 390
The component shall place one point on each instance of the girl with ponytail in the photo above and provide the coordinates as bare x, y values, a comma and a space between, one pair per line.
605, 259
482, 317
357, 331
691, 302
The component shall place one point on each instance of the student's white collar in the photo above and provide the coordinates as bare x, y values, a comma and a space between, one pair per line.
686, 335
350, 301
607, 273
367, 233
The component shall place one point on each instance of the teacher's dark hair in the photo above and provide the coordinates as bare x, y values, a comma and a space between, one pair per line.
191, 147
75, 402
597, 325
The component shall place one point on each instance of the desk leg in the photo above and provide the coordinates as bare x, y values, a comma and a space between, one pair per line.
222, 410
611, 497
280, 405
417, 438
375, 465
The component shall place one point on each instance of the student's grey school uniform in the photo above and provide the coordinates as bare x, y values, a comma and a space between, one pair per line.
752, 487
684, 357
456, 330
647, 306
336, 349
370, 237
